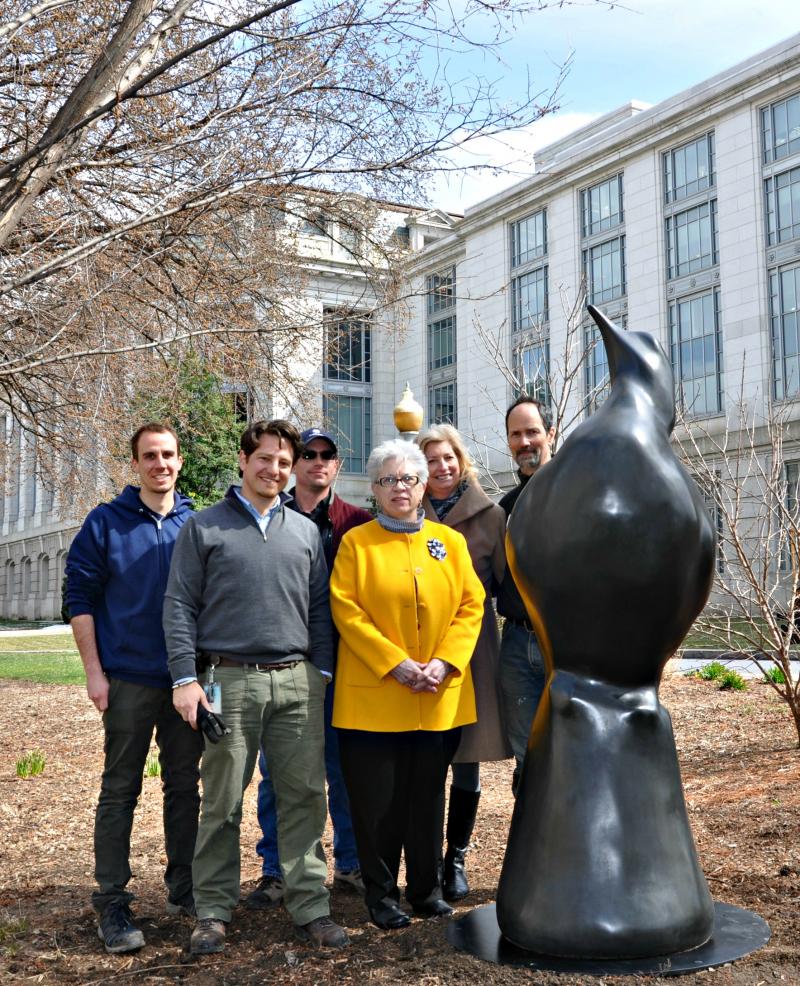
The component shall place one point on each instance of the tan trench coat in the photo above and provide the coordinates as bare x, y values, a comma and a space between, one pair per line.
483, 524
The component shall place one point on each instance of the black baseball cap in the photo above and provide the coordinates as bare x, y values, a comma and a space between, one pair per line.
311, 433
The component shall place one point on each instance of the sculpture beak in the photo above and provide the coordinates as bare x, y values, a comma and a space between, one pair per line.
613, 340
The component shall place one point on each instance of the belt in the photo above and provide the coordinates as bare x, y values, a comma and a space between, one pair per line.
228, 662
526, 624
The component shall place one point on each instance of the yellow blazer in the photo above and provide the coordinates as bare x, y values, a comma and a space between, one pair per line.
392, 599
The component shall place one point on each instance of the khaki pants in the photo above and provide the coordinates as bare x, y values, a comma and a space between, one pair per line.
281, 711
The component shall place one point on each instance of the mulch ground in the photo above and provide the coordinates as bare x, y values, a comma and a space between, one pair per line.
741, 768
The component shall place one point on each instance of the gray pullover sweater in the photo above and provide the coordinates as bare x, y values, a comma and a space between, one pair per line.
246, 595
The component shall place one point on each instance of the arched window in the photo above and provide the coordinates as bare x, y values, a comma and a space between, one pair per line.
44, 576
26, 578
10, 575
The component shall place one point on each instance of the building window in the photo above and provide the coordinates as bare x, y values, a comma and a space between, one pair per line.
528, 239
780, 129
689, 169
442, 343
692, 239
350, 420
789, 546
784, 297
782, 193
529, 300
315, 223
709, 490
10, 581
441, 290
596, 375
601, 206
347, 348
442, 356
696, 346
442, 404
532, 370
350, 239
604, 270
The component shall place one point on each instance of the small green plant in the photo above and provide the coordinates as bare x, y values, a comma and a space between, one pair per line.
152, 768
712, 671
732, 680
775, 675
30, 764
11, 929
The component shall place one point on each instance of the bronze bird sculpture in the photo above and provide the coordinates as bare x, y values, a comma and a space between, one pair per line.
613, 551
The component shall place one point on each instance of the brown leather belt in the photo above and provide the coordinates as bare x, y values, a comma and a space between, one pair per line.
227, 662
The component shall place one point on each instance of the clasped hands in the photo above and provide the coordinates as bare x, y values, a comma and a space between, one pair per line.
421, 677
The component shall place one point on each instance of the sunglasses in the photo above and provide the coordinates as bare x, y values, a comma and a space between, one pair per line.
309, 455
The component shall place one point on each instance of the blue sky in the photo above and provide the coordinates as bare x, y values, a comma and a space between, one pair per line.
647, 50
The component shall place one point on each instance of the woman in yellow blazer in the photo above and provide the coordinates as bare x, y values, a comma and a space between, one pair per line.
408, 607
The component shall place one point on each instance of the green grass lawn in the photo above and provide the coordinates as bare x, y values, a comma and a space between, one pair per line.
50, 659
708, 638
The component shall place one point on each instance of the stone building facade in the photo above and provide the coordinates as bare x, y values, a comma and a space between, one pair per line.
681, 218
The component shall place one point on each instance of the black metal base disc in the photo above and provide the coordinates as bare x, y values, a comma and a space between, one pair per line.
736, 933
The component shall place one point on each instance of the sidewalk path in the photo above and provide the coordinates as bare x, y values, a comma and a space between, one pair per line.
40, 632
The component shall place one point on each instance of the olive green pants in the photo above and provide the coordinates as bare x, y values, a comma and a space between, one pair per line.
281, 711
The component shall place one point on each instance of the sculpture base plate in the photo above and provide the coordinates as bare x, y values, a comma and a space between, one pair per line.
736, 933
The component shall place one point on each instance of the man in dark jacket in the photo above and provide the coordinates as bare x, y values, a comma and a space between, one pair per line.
313, 497
117, 571
530, 434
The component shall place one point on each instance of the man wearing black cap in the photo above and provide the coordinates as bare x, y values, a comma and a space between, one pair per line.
315, 472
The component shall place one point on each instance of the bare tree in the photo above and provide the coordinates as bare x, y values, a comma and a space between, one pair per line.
161, 161
554, 374
750, 482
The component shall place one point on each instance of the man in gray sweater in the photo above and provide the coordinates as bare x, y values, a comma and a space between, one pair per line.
248, 593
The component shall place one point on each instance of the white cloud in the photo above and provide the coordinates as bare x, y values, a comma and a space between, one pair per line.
491, 165
647, 50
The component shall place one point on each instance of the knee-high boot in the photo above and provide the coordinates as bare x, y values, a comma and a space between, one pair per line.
460, 822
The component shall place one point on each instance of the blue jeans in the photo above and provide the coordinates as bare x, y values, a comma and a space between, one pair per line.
522, 681
344, 841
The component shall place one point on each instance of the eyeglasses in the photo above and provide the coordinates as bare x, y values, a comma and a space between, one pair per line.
310, 454
394, 480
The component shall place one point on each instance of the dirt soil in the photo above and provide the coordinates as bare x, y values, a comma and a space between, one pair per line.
741, 769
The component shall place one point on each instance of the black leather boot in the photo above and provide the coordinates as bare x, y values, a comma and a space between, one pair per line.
460, 822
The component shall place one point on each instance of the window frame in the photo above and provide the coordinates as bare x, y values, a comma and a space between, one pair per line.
780, 390
344, 371
603, 224
669, 169
539, 251
677, 344
771, 152
440, 290
691, 265
538, 385
772, 209
343, 438
607, 294
433, 390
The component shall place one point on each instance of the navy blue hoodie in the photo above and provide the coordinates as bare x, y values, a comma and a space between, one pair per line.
117, 570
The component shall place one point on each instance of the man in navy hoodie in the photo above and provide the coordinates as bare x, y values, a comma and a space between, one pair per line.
117, 571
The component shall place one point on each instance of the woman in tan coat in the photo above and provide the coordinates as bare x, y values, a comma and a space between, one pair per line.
454, 497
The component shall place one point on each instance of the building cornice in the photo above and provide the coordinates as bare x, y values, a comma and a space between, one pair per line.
607, 143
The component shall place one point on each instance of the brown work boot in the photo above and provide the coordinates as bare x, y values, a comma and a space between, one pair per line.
208, 936
323, 933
